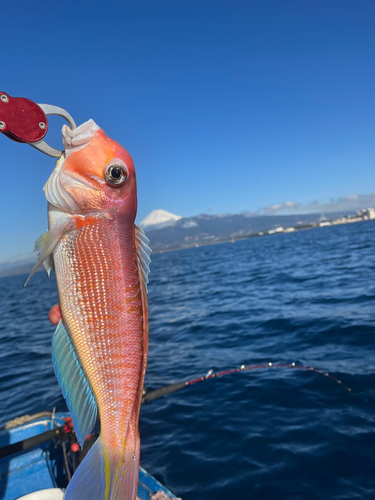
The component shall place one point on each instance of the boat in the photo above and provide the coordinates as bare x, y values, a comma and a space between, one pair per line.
39, 454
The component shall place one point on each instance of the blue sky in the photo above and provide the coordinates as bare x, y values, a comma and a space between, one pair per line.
225, 106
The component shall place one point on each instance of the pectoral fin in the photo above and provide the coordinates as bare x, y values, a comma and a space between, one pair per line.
45, 245
49, 264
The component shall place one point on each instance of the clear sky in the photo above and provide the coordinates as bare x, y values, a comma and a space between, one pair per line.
225, 105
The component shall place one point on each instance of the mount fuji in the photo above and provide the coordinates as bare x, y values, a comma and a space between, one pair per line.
158, 219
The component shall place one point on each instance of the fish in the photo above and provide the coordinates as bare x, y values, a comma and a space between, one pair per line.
99, 349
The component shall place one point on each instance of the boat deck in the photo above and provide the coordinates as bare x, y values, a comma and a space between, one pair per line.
43, 466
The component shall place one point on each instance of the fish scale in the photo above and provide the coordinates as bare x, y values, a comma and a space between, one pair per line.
110, 286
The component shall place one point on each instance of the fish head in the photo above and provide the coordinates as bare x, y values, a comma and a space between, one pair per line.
95, 173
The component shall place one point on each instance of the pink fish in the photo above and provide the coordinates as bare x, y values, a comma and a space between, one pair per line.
99, 350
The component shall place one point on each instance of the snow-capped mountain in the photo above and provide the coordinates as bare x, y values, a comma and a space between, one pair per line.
158, 219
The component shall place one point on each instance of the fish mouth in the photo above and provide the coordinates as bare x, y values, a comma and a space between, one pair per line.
78, 138
61, 183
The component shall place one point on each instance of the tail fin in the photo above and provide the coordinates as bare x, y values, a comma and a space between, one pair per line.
101, 477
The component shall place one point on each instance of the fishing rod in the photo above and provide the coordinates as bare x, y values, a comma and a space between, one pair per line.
64, 432
168, 389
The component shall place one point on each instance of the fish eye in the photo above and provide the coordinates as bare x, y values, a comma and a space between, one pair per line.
116, 175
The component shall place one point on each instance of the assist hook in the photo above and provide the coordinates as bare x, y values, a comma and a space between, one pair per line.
23, 120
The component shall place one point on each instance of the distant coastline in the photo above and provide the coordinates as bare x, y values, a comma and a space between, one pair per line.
17, 270
206, 230
363, 215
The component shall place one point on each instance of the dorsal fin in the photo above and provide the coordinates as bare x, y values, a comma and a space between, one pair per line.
73, 382
143, 253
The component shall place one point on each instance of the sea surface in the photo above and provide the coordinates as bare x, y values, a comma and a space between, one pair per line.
274, 433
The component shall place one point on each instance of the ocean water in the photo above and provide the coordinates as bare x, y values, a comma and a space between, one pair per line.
306, 297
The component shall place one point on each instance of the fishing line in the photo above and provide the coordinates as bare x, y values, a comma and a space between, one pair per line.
168, 389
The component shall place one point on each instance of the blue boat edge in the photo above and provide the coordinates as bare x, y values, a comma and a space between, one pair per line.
42, 466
